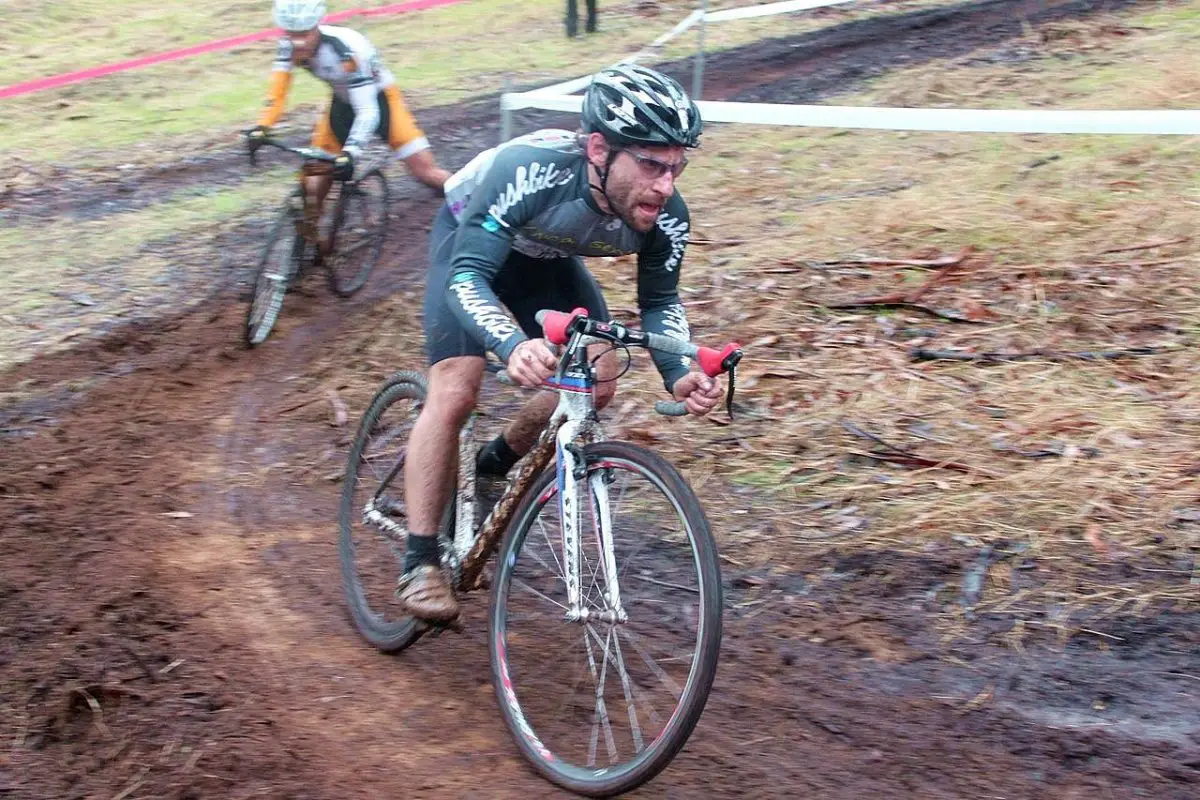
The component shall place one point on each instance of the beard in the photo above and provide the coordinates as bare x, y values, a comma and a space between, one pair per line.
637, 209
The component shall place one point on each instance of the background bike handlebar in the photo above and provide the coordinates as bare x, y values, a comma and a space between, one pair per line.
313, 153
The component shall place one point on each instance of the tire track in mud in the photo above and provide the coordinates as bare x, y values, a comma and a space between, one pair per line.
825, 694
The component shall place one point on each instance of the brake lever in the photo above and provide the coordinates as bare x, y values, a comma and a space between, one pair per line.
730, 365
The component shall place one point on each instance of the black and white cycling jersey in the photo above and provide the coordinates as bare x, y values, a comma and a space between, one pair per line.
532, 195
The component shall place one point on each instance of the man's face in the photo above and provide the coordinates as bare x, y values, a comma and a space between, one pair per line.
641, 181
304, 44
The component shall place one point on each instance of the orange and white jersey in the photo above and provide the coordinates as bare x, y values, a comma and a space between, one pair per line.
350, 64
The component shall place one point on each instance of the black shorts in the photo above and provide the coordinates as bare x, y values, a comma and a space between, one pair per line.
396, 125
525, 286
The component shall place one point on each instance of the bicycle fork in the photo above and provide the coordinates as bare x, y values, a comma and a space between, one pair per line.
576, 486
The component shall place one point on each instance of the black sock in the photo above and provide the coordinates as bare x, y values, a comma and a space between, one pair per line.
496, 458
422, 551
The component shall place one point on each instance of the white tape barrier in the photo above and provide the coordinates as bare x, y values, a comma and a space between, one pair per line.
965, 120
771, 8
576, 84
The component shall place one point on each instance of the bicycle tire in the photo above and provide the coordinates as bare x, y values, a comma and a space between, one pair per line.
260, 320
387, 635
611, 781
351, 195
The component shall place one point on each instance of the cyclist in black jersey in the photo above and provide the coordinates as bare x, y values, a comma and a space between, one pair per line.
507, 243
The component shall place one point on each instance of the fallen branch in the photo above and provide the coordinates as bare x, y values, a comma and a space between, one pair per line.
922, 354
910, 299
921, 462
717, 242
938, 263
1146, 245
1056, 450
899, 455
877, 191
947, 314
860, 433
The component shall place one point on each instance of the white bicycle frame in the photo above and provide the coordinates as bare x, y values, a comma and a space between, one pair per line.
576, 422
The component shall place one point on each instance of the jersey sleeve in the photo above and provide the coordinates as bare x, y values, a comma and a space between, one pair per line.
278, 84
517, 186
364, 97
658, 285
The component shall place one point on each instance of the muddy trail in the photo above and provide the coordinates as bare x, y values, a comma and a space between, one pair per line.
172, 621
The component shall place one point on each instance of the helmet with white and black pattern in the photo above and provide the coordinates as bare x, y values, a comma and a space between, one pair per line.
299, 15
632, 105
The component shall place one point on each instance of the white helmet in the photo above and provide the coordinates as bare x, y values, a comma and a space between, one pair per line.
299, 15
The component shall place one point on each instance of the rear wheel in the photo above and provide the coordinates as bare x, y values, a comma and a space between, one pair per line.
618, 699
358, 233
372, 522
280, 260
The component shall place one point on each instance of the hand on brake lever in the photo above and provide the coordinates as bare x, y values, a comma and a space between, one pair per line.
531, 363
699, 393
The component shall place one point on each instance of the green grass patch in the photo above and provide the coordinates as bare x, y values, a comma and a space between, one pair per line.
439, 56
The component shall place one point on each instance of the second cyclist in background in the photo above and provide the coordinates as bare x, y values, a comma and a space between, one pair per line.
365, 99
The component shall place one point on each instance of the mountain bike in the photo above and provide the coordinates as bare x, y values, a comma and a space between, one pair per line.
606, 602
351, 247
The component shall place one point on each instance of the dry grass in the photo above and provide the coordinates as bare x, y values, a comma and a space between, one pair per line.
1078, 479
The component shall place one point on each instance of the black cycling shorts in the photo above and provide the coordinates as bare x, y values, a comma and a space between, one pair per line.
396, 125
524, 285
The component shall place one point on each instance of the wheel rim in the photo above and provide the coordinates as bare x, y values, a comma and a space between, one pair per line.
613, 693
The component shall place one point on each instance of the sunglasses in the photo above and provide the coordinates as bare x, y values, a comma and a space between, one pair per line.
654, 169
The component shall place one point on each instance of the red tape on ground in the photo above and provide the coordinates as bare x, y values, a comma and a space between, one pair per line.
53, 82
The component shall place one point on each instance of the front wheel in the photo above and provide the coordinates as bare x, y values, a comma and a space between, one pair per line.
358, 232
277, 268
619, 698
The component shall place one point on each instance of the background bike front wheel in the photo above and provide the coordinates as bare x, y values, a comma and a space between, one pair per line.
360, 225
276, 270
602, 707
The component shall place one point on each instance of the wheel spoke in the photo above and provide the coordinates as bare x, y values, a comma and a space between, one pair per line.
652, 665
523, 585
612, 651
601, 721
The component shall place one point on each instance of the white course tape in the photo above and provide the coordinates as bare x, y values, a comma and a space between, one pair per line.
1181, 123
687, 22
771, 8
575, 84
956, 119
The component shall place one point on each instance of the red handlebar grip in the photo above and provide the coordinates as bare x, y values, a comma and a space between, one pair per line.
555, 324
711, 360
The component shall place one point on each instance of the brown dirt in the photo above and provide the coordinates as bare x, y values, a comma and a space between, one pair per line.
172, 622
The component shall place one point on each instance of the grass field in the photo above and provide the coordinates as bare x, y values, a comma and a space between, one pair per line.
439, 56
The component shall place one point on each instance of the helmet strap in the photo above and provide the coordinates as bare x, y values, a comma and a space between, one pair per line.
613, 152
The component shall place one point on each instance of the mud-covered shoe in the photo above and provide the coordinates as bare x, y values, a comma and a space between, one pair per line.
425, 593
